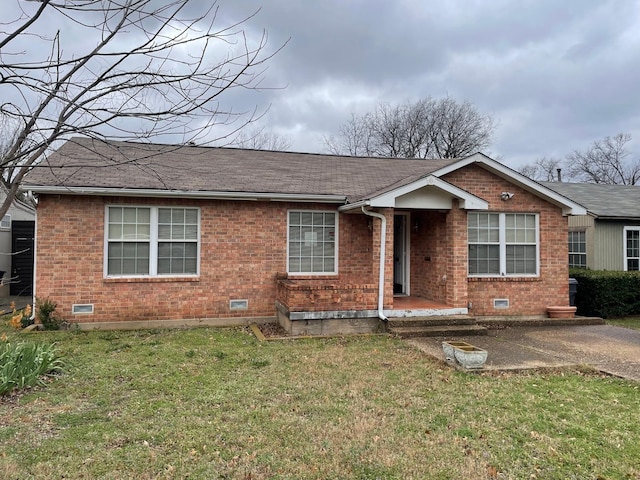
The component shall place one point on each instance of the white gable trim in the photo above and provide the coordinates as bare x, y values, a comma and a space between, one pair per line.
467, 200
568, 206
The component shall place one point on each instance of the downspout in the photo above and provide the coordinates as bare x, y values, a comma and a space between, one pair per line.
35, 242
383, 242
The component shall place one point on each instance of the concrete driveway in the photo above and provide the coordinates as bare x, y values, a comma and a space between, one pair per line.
609, 349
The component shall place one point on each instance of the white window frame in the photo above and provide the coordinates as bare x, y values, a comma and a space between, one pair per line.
571, 252
502, 244
153, 243
335, 242
624, 246
5, 223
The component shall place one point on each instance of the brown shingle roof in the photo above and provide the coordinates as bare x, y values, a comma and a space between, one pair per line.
89, 163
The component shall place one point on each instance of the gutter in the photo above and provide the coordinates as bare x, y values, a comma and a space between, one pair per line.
205, 195
383, 242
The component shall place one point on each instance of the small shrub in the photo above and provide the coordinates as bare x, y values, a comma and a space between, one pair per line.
46, 309
26, 364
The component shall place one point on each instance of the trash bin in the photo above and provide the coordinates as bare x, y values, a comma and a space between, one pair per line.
573, 289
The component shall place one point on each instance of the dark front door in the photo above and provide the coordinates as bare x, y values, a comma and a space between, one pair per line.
22, 236
400, 255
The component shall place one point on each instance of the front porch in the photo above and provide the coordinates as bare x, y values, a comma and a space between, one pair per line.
415, 306
312, 306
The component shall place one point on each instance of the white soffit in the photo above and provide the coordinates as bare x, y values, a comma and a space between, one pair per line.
430, 193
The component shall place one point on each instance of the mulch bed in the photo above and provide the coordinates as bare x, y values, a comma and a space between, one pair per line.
272, 330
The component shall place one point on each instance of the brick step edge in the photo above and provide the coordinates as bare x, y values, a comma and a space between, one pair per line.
438, 331
497, 322
431, 321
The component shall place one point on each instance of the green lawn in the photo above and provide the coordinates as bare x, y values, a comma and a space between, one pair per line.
629, 322
218, 404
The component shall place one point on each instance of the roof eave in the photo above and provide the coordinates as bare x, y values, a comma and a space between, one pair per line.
202, 195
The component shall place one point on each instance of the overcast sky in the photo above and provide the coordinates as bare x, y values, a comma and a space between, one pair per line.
555, 75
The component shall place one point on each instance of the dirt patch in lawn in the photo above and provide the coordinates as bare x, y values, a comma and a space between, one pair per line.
272, 330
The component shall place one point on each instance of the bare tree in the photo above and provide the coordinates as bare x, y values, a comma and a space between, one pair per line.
143, 68
543, 169
427, 128
606, 161
260, 139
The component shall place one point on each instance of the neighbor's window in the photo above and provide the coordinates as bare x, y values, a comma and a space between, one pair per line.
503, 244
632, 248
312, 242
6, 221
577, 250
152, 241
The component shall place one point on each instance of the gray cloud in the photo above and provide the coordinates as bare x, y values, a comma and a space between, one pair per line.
555, 75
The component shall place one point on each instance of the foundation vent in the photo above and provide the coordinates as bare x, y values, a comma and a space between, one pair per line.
82, 308
500, 303
238, 304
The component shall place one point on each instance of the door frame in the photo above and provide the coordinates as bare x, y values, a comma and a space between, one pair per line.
402, 253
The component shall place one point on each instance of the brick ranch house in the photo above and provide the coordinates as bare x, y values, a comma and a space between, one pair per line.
134, 235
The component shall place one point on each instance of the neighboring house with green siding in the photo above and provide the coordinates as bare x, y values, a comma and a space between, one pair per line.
608, 237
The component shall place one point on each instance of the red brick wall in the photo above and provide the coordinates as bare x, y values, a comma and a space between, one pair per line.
429, 255
243, 247
527, 296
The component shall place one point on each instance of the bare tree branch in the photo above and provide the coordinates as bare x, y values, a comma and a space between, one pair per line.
424, 129
606, 161
543, 169
145, 69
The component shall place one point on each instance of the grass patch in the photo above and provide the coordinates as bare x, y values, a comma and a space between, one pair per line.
628, 322
217, 404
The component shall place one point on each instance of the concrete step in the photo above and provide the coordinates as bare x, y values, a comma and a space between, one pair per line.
438, 331
537, 321
431, 321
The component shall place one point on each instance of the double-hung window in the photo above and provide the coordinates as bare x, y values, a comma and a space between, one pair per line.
632, 248
578, 249
152, 241
503, 244
312, 242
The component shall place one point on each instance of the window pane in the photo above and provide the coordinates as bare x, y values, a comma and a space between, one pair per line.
177, 215
115, 232
305, 264
191, 232
164, 232
294, 234
318, 265
115, 214
164, 266
295, 249
191, 216
294, 264
130, 215
177, 232
164, 215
